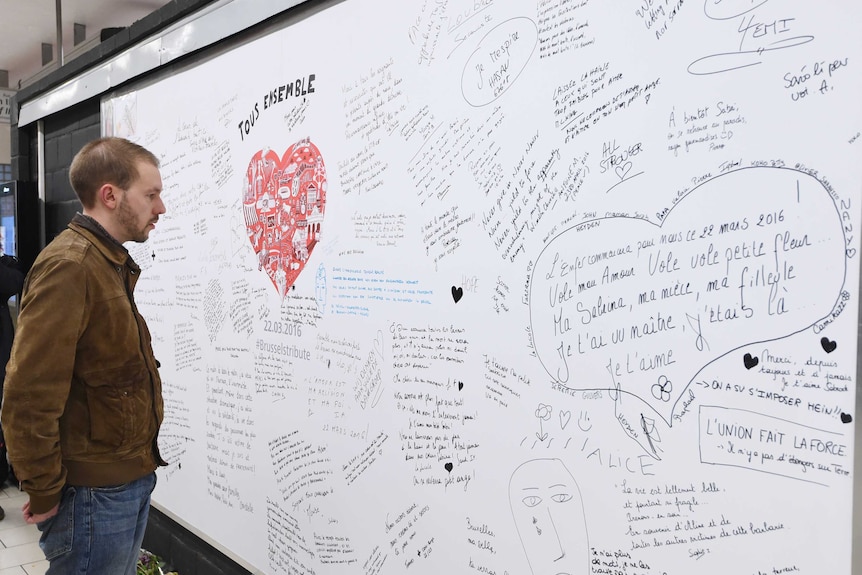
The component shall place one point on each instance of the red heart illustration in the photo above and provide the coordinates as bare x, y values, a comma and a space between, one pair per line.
283, 205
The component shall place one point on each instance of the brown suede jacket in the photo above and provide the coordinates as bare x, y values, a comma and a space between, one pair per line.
83, 399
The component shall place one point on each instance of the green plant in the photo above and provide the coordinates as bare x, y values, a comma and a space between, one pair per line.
149, 564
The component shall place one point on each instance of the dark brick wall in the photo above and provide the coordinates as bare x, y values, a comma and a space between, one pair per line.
22, 149
183, 551
65, 134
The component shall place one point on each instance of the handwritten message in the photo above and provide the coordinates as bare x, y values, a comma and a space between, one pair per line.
562, 28
754, 441
645, 315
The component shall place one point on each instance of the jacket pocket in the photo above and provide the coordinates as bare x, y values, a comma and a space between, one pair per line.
120, 404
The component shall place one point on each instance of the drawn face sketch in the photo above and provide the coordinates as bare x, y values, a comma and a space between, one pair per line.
549, 514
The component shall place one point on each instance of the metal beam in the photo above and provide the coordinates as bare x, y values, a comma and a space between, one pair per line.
58, 9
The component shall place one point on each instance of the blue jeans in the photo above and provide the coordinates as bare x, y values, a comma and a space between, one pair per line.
97, 530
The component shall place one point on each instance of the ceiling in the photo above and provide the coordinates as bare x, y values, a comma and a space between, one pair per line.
26, 24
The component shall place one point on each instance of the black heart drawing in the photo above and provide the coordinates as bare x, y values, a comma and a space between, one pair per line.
846, 417
448, 467
749, 361
460, 385
457, 293
828, 346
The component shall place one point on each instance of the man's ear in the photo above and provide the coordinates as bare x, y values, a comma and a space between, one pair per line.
109, 195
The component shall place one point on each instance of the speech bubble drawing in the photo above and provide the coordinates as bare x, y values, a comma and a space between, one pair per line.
624, 305
498, 60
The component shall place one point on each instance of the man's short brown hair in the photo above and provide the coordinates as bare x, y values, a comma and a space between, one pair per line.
106, 161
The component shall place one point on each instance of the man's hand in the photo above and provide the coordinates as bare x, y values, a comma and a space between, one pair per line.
38, 517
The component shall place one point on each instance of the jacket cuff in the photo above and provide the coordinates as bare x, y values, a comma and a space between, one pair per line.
43, 503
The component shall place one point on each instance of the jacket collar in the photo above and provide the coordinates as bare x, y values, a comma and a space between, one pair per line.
113, 250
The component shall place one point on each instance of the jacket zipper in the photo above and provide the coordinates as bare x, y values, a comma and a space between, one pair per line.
146, 357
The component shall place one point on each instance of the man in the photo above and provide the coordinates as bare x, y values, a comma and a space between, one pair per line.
83, 401
11, 283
